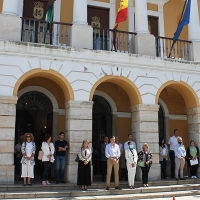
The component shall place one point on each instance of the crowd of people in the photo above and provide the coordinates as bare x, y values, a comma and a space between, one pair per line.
111, 158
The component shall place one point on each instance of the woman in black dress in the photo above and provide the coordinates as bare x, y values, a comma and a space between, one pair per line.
84, 166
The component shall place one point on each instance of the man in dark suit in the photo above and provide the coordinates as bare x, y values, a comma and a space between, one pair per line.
104, 159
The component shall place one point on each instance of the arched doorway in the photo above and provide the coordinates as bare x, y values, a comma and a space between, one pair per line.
101, 126
34, 114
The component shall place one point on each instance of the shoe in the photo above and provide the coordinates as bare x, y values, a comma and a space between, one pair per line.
62, 181
177, 179
147, 185
24, 184
144, 185
47, 182
182, 179
43, 183
107, 188
29, 184
131, 187
117, 188
195, 177
57, 182
192, 176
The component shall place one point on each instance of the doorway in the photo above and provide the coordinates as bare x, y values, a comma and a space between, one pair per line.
101, 126
34, 114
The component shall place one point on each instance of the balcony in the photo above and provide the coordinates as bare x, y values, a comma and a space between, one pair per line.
58, 33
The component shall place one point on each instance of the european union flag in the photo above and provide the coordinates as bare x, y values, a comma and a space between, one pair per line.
184, 21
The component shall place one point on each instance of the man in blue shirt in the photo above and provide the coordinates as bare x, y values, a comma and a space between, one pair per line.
113, 154
180, 154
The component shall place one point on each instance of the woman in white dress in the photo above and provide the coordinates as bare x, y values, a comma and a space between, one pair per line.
131, 163
28, 151
48, 158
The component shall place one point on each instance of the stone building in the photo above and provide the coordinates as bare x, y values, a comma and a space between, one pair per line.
67, 76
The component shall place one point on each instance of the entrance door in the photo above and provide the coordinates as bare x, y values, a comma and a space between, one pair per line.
101, 126
34, 114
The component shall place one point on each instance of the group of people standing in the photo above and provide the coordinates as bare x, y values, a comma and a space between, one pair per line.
178, 154
25, 151
111, 153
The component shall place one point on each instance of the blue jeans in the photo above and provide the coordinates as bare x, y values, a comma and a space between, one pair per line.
60, 166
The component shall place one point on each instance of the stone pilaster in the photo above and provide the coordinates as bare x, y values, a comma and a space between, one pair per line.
78, 127
144, 127
193, 119
81, 33
7, 139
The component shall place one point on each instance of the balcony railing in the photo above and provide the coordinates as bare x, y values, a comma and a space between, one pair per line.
180, 50
39, 31
113, 40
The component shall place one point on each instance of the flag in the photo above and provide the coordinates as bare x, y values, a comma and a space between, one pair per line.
185, 20
122, 12
50, 12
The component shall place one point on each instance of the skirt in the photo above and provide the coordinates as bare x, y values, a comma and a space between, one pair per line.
84, 174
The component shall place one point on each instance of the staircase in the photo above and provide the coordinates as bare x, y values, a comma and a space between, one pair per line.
157, 189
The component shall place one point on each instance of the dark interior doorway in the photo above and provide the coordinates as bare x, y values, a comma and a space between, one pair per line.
101, 126
34, 114
161, 123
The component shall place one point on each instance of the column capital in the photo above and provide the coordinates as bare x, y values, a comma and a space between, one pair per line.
10, 7
145, 107
193, 111
78, 104
162, 2
8, 100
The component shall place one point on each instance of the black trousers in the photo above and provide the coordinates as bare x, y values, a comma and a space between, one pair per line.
103, 170
172, 159
46, 165
145, 173
193, 170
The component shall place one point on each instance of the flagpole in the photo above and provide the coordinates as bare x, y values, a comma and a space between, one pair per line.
174, 41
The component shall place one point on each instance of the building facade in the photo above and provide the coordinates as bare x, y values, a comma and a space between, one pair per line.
66, 78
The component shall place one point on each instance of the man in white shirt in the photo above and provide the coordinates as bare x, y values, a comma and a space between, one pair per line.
180, 154
113, 154
171, 145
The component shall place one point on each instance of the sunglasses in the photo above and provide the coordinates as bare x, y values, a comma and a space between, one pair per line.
28, 136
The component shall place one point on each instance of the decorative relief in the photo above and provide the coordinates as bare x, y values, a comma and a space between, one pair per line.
95, 23
38, 10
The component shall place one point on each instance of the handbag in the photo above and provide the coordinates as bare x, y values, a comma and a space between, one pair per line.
40, 155
77, 158
141, 164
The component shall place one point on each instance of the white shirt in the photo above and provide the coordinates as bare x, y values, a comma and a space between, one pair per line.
112, 151
28, 148
180, 151
172, 142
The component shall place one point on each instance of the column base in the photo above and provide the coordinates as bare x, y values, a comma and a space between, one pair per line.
145, 44
10, 27
72, 173
194, 51
7, 174
81, 36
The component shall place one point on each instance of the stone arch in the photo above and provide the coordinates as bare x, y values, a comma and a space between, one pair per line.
126, 84
50, 74
189, 95
164, 106
42, 90
107, 98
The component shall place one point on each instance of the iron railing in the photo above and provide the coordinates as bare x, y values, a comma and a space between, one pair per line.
180, 50
113, 40
39, 31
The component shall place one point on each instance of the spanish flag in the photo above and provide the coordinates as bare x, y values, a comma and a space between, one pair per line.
122, 12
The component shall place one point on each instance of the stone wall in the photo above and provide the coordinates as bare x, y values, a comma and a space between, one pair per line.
7, 137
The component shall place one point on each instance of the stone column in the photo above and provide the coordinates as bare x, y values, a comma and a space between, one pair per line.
193, 119
194, 31
10, 21
144, 127
81, 33
144, 42
7, 139
78, 127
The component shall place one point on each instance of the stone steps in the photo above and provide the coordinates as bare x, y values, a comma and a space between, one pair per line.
157, 189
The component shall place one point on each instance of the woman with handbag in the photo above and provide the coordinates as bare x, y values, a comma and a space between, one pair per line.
84, 167
28, 151
48, 158
131, 164
145, 162
193, 155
